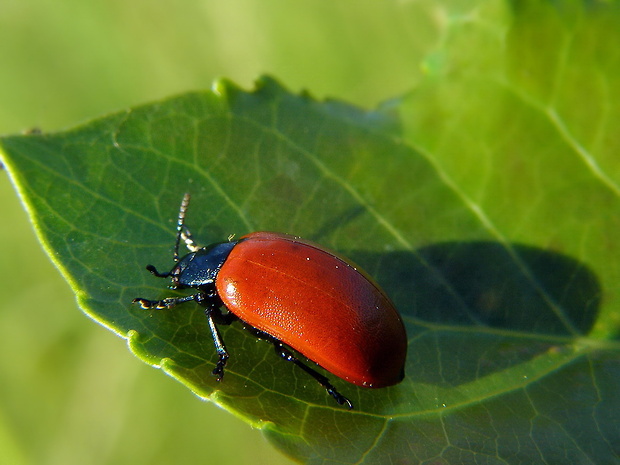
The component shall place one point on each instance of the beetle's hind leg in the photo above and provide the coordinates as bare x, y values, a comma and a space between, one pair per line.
284, 352
287, 355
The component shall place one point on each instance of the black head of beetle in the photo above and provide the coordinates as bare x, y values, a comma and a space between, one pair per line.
198, 269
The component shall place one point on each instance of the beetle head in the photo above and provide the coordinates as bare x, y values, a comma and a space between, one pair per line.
199, 269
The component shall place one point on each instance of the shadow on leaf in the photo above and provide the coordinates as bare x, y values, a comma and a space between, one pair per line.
475, 308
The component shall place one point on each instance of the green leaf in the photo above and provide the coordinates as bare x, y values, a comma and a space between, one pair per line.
104, 198
484, 203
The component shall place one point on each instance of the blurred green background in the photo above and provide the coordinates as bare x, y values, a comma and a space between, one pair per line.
70, 392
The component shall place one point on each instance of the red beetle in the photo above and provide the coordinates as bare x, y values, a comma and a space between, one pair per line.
293, 293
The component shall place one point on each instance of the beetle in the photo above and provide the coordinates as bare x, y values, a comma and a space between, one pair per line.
297, 295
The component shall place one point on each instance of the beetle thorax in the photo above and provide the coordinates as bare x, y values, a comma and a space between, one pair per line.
199, 269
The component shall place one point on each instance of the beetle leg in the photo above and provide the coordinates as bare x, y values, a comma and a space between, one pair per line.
163, 304
213, 313
211, 302
287, 355
220, 348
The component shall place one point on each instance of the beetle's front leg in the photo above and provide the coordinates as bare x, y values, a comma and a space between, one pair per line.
166, 303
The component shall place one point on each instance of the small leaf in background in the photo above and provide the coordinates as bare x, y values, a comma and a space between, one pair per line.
484, 203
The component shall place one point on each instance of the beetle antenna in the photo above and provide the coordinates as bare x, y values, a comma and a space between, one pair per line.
180, 224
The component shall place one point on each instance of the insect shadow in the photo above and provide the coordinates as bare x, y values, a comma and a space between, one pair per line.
479, 307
